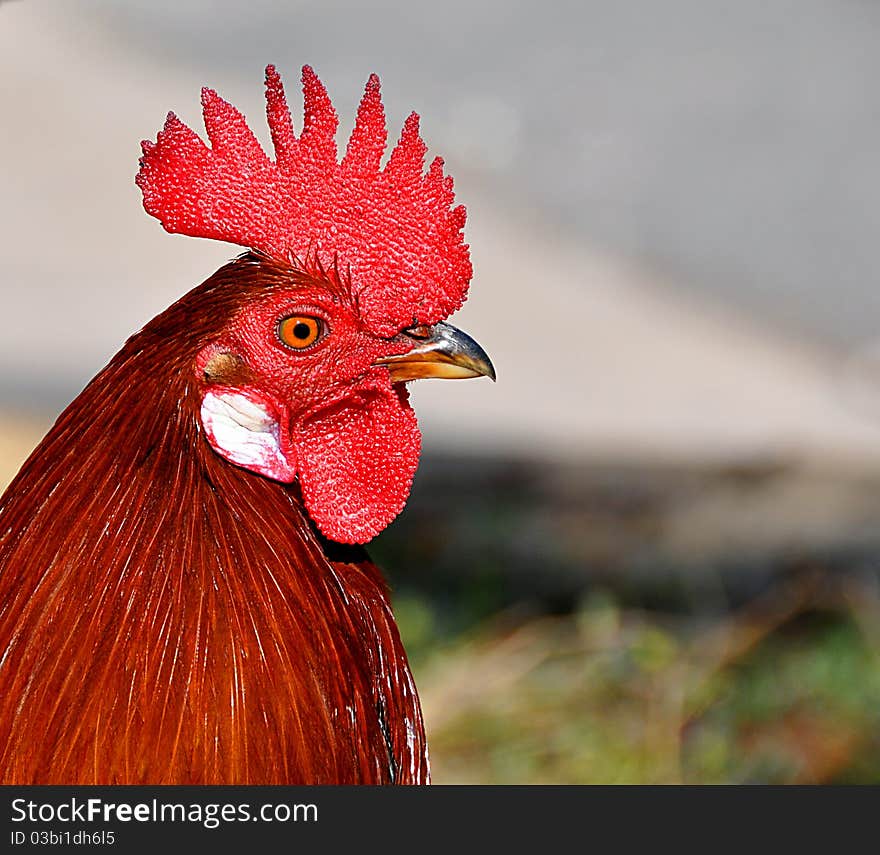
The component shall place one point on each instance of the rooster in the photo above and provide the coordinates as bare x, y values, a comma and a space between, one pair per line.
184, 594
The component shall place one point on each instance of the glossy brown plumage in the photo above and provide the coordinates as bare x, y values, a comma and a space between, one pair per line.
166, 617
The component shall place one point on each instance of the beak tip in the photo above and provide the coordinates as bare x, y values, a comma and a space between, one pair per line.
482, 363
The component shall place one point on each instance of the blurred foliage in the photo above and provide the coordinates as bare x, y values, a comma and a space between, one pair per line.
602, 623
784, 690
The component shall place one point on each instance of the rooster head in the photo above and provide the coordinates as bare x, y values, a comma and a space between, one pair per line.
359, 266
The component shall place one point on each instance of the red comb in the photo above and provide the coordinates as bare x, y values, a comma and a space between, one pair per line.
393, 230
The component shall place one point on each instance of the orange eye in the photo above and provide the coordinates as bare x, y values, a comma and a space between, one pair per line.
300, 331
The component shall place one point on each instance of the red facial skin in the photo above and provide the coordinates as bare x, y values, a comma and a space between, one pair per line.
344, 429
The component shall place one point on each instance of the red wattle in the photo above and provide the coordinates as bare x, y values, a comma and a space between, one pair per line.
356, 461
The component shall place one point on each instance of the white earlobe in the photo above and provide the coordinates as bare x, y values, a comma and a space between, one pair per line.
246, 433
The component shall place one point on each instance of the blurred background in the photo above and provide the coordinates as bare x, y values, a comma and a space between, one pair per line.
651, 552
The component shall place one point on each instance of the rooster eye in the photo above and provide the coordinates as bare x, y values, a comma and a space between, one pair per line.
300, 331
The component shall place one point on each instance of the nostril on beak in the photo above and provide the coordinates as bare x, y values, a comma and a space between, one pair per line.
420, 332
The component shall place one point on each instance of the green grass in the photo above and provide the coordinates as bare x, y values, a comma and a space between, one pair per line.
786, 690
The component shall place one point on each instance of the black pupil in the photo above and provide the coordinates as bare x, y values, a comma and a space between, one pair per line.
302, 330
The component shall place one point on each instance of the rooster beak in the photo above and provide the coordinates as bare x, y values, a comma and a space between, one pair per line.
441, 351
